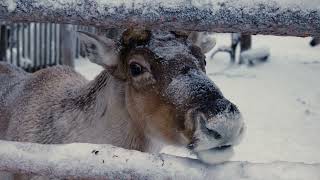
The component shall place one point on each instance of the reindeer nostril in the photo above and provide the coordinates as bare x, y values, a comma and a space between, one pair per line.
233, 108
191, 146
185, 70
241, 130
193, 143
214, 133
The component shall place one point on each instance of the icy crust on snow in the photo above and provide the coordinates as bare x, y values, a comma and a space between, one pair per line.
106, 161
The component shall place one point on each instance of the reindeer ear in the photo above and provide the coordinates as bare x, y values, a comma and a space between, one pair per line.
202, 40
100, 50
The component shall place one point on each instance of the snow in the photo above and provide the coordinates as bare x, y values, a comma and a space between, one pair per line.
207, 3
86, 68
307, 4
12, 5
213, 4
168, 4
279, 99
23, 61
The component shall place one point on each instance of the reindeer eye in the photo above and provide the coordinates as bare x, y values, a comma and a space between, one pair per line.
136, 69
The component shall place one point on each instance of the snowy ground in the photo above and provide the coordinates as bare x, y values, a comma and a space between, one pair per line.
280, 100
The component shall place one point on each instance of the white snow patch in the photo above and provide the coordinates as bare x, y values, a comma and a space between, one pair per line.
140, 3
12, 5
57, 4
279, 100
213, 4
305, 4
87, 68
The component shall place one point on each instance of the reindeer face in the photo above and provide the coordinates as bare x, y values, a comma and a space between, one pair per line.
168, 93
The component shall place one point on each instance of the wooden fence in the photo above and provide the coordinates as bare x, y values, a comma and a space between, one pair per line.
34, 46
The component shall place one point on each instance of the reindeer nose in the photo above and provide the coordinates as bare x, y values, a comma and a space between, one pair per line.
222, 124
233, 108
225, 106
209, 131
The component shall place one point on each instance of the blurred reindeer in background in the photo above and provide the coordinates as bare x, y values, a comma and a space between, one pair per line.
315, 41
245, 55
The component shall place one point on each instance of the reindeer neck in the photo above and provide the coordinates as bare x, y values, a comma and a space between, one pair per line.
107, 120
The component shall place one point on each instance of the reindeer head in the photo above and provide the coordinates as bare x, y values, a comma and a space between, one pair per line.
168, 94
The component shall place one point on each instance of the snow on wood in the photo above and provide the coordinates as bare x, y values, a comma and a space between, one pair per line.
296, 18
107, 161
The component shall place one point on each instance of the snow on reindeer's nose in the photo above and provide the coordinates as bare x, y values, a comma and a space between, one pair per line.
218, 125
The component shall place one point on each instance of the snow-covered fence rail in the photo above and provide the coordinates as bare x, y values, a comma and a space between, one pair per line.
296, 18
110, 162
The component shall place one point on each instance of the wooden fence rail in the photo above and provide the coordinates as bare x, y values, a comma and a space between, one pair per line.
246, 16
95, 161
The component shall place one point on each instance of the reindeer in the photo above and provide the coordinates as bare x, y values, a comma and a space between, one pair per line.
153, 91
315, 41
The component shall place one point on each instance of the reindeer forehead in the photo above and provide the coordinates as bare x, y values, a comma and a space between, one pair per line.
163, 45
170, 50
167, 47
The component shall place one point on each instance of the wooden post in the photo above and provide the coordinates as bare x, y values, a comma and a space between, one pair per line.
3, 43
67, 46
245, 42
